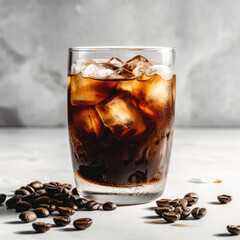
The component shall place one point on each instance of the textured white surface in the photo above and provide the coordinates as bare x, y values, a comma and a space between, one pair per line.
29, 154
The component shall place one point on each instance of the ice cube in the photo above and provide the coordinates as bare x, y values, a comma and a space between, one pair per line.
86, 91
134, 62
162, 70
79, 65
89, 120
154, 95
116, 61
125, 86
120, 113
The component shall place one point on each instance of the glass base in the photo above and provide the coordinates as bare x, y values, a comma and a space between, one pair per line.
120, 195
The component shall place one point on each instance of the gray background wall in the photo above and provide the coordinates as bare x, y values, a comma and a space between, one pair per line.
35, 35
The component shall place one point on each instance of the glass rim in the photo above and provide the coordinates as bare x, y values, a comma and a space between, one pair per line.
122, 48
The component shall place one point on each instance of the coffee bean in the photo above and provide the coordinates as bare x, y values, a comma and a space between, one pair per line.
171, 216
22, 206
74, 191
234, 230
28, 216
92, 205
199, 212
109, 206
224, 198
41, 227
160, 210
65, 197
51, 208
42, 200
22, 192
52, 190
2, 198
30, 197
192, 198
70, 205
28, 188
82, 223
163, 202
36, 185
66, 211
11, 202
81, 202
65, 190
41, 192
62, 220
57, 203
179, 202
53, 183
46, 184
183, 211
41, 212
67, 185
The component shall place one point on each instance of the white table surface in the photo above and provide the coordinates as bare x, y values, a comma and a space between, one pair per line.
43, 154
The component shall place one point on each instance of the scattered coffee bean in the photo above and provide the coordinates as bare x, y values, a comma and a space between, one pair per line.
81, 202
183, 211
41, 192
36, 185
160, 210
30, 197
199, 212
28, 216
82, 223
66, 211
22, 192
66, 185
71, 205
163, 202
171, 216
51, 208
22, 206
92, 205
74, 191
192, 198
53, 183
224, 198
42, 200
65, 197
57, 203
28, 188
234, 230
62, 220
179, 202
41, 227
13, 200
2, 198
109, 206
52, 190
41, 212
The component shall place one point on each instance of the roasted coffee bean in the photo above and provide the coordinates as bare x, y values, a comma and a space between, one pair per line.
199, 212
52, 190
65, 190
183, 211
41, 227
22, 192
11, 202
30, 197
109, 206
81, 202
171, 216
36, 185
92, 205
66, 211
51, 208
160, 210
65, 197
22, 206
74, 191
42, 200
58, 203
82, 223
179, 202
67, 185
28, 188
41, 212
28, 216
224, 198
41, 192
163, 202
234, 230
2, 198
62, 220
71, 205
53, 183
46, 184
192, 198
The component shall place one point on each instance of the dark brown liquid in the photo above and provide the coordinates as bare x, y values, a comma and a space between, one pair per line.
125, 152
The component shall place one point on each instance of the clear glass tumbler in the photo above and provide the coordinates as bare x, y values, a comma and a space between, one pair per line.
121, 103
